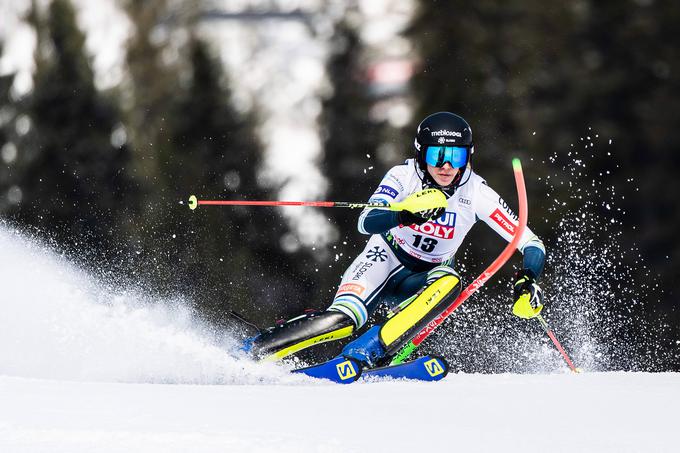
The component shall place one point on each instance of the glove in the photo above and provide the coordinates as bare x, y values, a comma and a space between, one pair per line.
409, 218
527, 295
422, 206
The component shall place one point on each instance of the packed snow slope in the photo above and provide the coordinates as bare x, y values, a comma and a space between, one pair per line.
89, 366
602, 412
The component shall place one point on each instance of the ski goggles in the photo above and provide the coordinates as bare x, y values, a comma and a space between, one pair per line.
437, 156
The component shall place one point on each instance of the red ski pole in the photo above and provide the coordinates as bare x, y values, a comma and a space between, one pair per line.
557, 344
195, 202
424, 200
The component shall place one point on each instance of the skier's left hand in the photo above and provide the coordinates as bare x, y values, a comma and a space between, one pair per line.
527, 295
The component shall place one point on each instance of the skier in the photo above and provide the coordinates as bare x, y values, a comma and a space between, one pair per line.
407, 263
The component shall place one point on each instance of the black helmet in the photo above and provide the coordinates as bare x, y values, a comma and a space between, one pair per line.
442, 129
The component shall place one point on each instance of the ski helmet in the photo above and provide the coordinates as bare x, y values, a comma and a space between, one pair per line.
443, 129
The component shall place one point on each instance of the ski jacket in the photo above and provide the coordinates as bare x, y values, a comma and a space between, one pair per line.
438, 241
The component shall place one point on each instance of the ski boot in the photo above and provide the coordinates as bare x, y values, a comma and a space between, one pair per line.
379, 343
299, 333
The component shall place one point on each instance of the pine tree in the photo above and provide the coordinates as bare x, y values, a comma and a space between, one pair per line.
72, 177
232, 255
148, 98
350, 140
189, 139
8, 149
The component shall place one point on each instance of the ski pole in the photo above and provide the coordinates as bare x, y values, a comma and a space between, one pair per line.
194, 203
423, 200
557, 344
408, 349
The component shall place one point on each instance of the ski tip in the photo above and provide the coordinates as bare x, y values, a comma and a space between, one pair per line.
193, 202
516, 164
437, 367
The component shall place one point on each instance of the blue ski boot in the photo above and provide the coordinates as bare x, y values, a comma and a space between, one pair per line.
366, 349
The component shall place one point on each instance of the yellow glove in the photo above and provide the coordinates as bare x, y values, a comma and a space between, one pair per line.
421, 202
528, 297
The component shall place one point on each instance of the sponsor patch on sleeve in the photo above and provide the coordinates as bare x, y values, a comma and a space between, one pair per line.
386, 190
351, 288
503, 221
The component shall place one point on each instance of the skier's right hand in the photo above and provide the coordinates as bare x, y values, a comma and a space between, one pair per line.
423, 206
408, 218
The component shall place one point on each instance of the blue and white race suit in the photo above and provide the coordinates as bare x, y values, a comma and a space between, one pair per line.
397, 258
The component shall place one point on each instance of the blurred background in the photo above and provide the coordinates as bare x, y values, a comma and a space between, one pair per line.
112, 112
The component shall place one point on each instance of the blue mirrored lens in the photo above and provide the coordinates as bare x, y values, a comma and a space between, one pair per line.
437, 156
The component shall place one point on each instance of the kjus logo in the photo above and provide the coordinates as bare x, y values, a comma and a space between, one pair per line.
445, 133
433, 367
396, 182
346, 370
377, 254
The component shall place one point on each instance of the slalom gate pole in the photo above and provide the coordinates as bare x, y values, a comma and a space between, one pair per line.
194, 203
406, 351
557, 344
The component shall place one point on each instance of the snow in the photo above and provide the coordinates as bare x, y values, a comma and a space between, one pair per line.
599, 412
89, 365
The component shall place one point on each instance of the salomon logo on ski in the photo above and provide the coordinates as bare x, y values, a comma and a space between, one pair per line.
346, 370
340, 370
433, 367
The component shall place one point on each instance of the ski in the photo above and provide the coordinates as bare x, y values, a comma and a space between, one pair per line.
342, 370
428, 368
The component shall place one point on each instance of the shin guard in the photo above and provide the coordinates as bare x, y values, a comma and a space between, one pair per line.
414, 314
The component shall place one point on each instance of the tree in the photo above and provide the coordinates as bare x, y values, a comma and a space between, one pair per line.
71, 176
153, 81
350, 141
7, 147
231, 256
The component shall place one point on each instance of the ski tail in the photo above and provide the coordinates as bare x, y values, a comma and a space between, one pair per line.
244, 322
